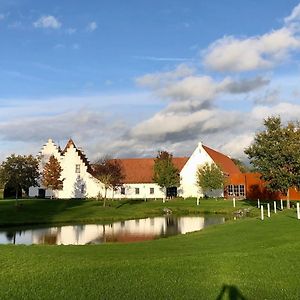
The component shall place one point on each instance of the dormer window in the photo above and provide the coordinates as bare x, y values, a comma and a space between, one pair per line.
77, 168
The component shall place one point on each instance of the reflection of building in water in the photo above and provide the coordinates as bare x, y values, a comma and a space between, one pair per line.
125, 231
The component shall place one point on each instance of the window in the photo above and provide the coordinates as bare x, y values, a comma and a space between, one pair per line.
77, 168
137, 191
236, 190
242, 190
151, 191
122, 191
230, 190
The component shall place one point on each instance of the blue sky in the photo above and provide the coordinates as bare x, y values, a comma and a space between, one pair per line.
131, 77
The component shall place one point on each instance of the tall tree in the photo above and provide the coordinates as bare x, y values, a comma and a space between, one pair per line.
275, 154
166, 175
210, 177
51, 175
110, 173
20, 172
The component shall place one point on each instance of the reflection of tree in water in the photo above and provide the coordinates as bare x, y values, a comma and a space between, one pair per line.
49, 239
11, 236
232, 292
213, 221
172, 226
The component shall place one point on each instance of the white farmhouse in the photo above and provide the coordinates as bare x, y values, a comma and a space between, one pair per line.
79, 182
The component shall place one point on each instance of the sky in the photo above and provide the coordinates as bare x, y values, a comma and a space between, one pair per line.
129, 78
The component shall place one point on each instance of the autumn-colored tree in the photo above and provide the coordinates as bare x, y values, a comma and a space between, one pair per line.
20, 172
166, 175
52, 174
109, 172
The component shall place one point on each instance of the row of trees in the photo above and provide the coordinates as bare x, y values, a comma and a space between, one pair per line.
274, 153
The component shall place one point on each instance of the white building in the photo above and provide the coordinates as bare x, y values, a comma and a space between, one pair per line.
79, 182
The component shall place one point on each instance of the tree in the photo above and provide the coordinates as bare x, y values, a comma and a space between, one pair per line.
241, 165
275, 154
20, 172
109, 172
210, 177
51, 175
166, 175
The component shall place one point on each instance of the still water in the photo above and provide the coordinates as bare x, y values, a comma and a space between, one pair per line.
124, 231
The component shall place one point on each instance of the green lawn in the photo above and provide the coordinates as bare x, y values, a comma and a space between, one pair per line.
30, 212
249, 257
246, 258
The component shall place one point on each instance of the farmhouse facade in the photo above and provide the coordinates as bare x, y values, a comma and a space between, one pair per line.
79, 182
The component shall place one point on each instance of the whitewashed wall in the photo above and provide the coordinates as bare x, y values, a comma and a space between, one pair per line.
188, 174
84, 185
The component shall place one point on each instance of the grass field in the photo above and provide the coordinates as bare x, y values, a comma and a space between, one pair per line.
30, 212
249, 257
243, 259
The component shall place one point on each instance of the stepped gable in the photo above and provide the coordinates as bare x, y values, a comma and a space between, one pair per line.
80, 154
140, 170
50, 141
223, 161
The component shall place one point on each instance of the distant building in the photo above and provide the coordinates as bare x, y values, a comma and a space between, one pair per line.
79, 182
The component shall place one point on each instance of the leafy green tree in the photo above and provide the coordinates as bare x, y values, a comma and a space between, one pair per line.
110, 173
166, 175
20, 172
51, 175
210, 177
275, 154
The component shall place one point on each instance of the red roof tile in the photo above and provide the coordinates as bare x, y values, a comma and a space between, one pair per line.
140, 170
223, 161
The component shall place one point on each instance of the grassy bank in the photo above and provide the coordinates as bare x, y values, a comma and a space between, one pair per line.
30, 212
253, 258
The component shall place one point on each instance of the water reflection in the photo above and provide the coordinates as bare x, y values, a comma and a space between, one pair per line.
124, 231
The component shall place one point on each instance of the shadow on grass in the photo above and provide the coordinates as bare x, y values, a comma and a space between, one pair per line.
230, 292
131, 202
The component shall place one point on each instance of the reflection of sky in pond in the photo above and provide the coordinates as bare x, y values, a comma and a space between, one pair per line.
124, 231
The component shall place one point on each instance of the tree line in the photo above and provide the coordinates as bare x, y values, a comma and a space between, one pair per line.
274, 153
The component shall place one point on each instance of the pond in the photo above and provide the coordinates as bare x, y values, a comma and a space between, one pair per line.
122, 231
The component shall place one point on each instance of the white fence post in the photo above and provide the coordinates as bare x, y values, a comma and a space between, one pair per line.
233, 201
269, 214
198, 200
298, 211
258, 203
262, 212
281, 204
275, 208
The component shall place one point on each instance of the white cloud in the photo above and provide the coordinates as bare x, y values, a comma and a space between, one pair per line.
92, 26
47, 22
294, 16
155, 80
259, 52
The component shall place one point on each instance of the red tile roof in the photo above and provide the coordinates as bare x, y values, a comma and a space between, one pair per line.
223, 161
140, 170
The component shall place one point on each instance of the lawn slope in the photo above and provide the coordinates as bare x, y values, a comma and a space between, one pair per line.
253, 258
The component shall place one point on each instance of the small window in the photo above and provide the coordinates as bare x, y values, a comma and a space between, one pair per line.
137, 191
236, 190
82, 189
122, 191
151, 191
77, 168
230, 190
242, 190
